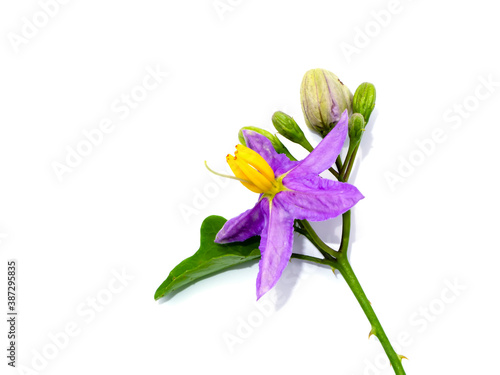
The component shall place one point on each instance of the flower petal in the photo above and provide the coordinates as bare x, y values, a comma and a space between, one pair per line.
325, 154
275, 246
240, 228
316, 198
263, 146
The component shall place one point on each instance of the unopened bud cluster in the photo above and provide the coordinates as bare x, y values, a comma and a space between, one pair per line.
323, 99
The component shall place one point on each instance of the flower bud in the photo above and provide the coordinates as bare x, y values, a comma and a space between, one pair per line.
324, 98
364, 100
278, 146
356, 127
288, 128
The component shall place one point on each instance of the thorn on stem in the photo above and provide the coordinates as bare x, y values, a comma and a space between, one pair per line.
372, 332
401, 358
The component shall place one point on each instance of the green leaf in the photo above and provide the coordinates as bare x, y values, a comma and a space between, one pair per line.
210, 257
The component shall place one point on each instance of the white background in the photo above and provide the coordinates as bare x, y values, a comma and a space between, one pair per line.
119, 209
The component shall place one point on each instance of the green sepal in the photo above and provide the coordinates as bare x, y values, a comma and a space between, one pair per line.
210, 257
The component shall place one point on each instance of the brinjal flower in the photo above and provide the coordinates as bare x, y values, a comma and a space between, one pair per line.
288, 190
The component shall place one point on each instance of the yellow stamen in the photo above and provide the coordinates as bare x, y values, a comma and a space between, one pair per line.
241, 176
253, 171
253, 175
255, 160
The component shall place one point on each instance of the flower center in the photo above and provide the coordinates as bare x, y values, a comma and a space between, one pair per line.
254, 172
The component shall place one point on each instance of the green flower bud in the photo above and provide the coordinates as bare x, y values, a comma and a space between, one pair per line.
288, 128
324, 98
277, 144
364, 100
356, 127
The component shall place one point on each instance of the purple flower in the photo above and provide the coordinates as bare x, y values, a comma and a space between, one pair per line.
288, 190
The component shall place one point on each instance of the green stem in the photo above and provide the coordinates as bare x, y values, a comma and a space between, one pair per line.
305, 233
312, 236
338, 259
335, 173
346, 231
308, 146
351, 164
338, 163
311, 259
347, 158
342, 264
